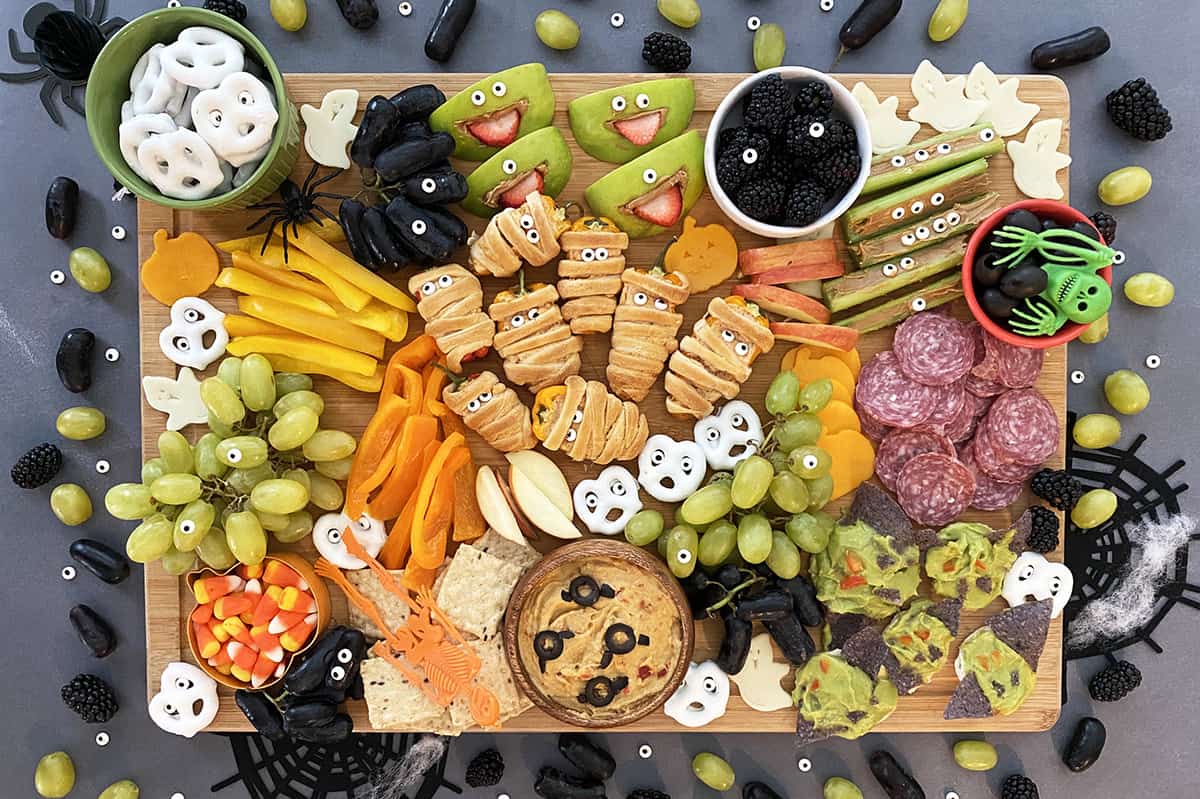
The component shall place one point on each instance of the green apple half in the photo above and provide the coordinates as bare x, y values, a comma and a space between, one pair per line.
618, 124
538, 162
492, 113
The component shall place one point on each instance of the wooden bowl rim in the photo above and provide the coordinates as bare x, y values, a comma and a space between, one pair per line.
593, 548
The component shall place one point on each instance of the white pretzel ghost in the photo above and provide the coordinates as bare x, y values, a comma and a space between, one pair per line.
614, 491
702, 696
328, 532
134, 131
670, 470
180, 164
328, 130
237, 118
1034, 576
183, 340
730, 436
153, 90
184, 688
202, 57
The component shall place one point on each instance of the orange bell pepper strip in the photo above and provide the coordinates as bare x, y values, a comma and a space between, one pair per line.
416, 353
469, 523
425, 549
431, 535
403, 381
402, 479
395, 549
373, 447
417, 577
435, 379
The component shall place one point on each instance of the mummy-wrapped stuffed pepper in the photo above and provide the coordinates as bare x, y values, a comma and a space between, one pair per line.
538, 348
528, 234
589, 274
586, 422
715, 359
450, 300
491, 409
644, 328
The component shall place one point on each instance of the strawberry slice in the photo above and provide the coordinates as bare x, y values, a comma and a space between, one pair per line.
641, 129
499, 130
515, 196
663, 210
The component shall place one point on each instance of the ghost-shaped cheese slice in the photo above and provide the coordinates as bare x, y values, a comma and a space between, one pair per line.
1036, 161
196, 334
1008, 115
606, 503
942, 103
888, 130
729, 436
670, 470
758, 681
329, 530
1034, 576
328, 130
702, 696
178, 397
186, 702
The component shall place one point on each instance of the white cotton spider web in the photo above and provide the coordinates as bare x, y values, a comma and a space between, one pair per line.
397, 779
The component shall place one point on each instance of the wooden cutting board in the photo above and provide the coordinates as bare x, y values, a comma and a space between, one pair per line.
168, 601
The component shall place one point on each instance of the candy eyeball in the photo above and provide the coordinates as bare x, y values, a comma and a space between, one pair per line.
1078, 376
478, 97
953, 218
516, 321
1118, 257
749, 156
587, 255
937, 199
923, 233
344, 656
640, 298
533, 313
987, 134
68, 573
1153, 361
571, 435
940, 226
577, 417
444, 281
804, 764
742, 348
918, 207
618, 103
889, 270
827, 5
661, 304
944, 148
118, 233
921, 155
485, 397
472, 405
429, 185
642, 101
645, 752
499, 88
405, 9
419, 227
816, 130
907, 262
533, 236
102, 738
753, 23
102, 466
57, 277
683, 556
428, 288
526, 221
601, 254
649, 176
337, 674
897, 214
918, 304
509, 166
897, 161
727, 336
617, 19
908, 239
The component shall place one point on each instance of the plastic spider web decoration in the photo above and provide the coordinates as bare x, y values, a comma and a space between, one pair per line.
1098, 557
297, 770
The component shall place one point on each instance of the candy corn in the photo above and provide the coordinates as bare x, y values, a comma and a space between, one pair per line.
218, 631
267, 644
251, 572
221, 658
267, 606
237, 631
207, 589
278, 573
206, 642
264, 667
232, 605
202, 613
297, 601
284, 620
294, 638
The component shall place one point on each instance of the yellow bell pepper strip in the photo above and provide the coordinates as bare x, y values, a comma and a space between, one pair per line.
418, 433
241, 326
351, 270
297, 320
367, 385
246, 283
347, 293
330, 233
469, 523
248, 263
434, 512
385, 426
389, 322
306, 349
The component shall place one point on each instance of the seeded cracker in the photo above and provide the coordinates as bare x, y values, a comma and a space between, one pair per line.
475, 590
394, 612
392, 701
494, 675
495, 544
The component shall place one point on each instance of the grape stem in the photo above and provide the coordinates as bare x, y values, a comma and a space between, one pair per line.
732, 592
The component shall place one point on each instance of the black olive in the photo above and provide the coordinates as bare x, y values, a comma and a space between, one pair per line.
1049, 224
792, 638
262, 713
757, 790
996, 303
620, 639
1024, 280
74, 359
584, 591
1023, 218
601, 691
417, 102
984, 270
100, 559
548, 645
62, 207
867, 21
96, 633
448, 26
553, 784
595, 763
1086, 229
735, 645
1070, 50
895, 781
804, 599
361, 14
1086, 744
773, 603
379, 121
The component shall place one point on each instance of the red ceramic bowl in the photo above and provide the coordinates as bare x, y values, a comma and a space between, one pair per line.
1059, 212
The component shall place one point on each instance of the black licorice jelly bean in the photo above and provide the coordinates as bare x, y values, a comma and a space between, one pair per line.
553, 784
62, 207
895, 781
1070, 50
448, 26
96, 633
1086, 744
100, 559
867, 21
594, 762
74, 359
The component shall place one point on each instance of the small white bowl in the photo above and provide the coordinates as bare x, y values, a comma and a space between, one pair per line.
729, 114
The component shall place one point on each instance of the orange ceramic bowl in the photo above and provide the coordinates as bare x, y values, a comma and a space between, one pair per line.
319, 592
1059, 212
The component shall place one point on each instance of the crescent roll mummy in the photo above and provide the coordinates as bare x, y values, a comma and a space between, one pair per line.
527, 233
589, 274
584, 421
538, 348
493, 410
644, 329
715, 359
450, 300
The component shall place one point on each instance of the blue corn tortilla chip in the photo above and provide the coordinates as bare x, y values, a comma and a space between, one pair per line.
968, 701
1024, 628
876, 507
947, 612
840, 626
866, 650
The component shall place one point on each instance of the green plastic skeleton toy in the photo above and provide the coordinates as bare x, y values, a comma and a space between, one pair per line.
1074, 291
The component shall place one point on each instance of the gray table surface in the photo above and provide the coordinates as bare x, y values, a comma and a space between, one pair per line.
1151, 749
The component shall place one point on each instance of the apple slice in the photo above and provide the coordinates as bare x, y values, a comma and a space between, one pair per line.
785, 263
492, 503
545, 474
830, 337
542, 513
784, 302
528, 530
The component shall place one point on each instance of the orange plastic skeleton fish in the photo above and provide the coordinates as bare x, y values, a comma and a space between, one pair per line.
443, 665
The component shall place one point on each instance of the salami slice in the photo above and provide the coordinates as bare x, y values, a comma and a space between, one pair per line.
962, 426
978, 404
951, 401
890, 397
871, 428
994, 463
901, 446
1022, 426
934, 349
934, 489
990, 494
982, 387
1012, 366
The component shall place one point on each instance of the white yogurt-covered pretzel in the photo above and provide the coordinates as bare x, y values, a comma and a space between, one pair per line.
202, 57
614, 489
237, 118
134, 132
180, 164
153, 90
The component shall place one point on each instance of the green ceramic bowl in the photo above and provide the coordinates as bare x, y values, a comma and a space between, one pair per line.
108, 88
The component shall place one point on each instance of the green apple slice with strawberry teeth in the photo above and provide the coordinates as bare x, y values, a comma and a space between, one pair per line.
640, 129
497, 128
662, 205
511, 193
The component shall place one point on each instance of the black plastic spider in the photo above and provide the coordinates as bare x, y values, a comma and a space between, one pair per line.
297, 204
63, 50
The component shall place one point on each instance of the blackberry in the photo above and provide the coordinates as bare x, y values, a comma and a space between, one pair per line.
234, 9
361, 14
1135, 109
1018, 786
1043, 537
836, 171
667, 52
647, 793
91, 697
485, 769
761, 199
37, 466
814, 99
812, 138
1107, 225
744, 154
769, 105
1056, 487
805, 201
1115, 681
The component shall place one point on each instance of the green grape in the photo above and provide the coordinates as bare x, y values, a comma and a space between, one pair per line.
230, 371
257, 383
71, 504
1124, 186
80, 423
840, 788
1127, 392
947, 18
278, 496
784, 558
975, 755
176, 453
751, 479
789, 492
707, 505
1094, 508
220, 428
770, 46
809, 462
713, 771
129, 501
150, 540
797, 430
293, 429
192, 524
300, 476
681, 546
335, 470
1097, 430
213, 550
289, 14
556, 30
299, 525
204, 457
1095, 332
754, 537
783, 393
644, 527
89, 269
271, 522
152, 470
176, 489
815, 395
245, 537
681, 13
326, 494
299, 399
329, 445
1149, 289
176, 563
717, 543
820, 489
222, 401
243, 481
54, 776
242, 452
287, 382
807, 532
125, 789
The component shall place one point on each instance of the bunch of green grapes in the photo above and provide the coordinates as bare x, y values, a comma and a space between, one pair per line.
769, 508
262, 463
